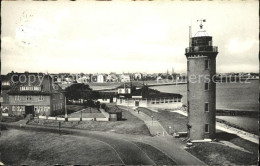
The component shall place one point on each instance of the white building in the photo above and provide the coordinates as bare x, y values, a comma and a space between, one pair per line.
100, 78
124, 78
146, 97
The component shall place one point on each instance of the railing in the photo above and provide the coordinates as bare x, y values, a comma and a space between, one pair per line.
201, 49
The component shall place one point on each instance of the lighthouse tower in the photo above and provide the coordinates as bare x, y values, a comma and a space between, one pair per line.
201, 68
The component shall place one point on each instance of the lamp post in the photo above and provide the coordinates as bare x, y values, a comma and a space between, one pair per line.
66, 115
170, 130
152, 120
81, 115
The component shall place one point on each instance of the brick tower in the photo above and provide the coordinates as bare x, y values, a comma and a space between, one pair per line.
201, 68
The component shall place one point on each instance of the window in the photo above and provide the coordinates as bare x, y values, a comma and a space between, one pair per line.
206, 64
17, 98
206, 107
206, 128
206, 86
188, 65
28, 97
41, 98
5, 83
60, 95
188, 107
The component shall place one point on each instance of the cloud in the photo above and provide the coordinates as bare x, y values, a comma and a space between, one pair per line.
237, 45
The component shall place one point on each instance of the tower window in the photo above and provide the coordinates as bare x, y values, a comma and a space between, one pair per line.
188, 65
206, 128
206, 86
206, 64
206, 107
188, 88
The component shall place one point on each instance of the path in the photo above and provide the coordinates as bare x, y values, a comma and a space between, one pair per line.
154, 126
220, 126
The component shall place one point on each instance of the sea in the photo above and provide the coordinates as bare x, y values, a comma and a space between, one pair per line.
229, 95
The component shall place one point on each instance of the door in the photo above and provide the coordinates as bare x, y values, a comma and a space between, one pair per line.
137, 103
29, 110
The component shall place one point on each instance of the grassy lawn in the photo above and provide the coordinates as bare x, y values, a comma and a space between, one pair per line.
75, 108
216, 154
156, 155
40, 148
9, 119
129, 125
87, 113
166, 118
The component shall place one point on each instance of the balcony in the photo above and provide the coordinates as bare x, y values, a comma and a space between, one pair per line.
201, 49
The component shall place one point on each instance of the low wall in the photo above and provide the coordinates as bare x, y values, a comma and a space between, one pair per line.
102, 119
74, 119
5, 114
226, 112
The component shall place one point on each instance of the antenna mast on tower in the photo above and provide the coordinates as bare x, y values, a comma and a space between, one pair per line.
201, 20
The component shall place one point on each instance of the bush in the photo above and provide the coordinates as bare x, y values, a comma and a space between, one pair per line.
98, 104
103, 105
89, 103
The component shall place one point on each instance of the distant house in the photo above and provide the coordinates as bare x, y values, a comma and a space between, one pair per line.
146, 97
127, 87
124, 78
38, 97
83, 79
159, 78
137, 76
112, 78
100, 78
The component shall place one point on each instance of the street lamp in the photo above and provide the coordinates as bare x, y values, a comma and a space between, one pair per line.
81, 115
170, 130
152, 119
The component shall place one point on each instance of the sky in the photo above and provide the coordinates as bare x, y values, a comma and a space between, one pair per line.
104, 37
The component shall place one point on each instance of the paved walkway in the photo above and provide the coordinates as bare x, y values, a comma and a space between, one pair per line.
104, 113
154, 126
220, 126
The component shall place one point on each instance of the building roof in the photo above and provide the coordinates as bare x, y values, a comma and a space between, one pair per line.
33, 79
201, 33
114, 109
107, 95
129, 84
146, 92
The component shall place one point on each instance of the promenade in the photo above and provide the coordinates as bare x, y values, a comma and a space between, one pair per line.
154, 126
220, 126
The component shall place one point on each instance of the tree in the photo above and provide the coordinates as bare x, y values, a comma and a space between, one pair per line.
78, 91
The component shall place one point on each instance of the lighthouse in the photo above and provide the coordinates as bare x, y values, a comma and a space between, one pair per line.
201, 88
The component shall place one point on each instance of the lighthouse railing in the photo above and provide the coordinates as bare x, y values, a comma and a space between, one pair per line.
201, 49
